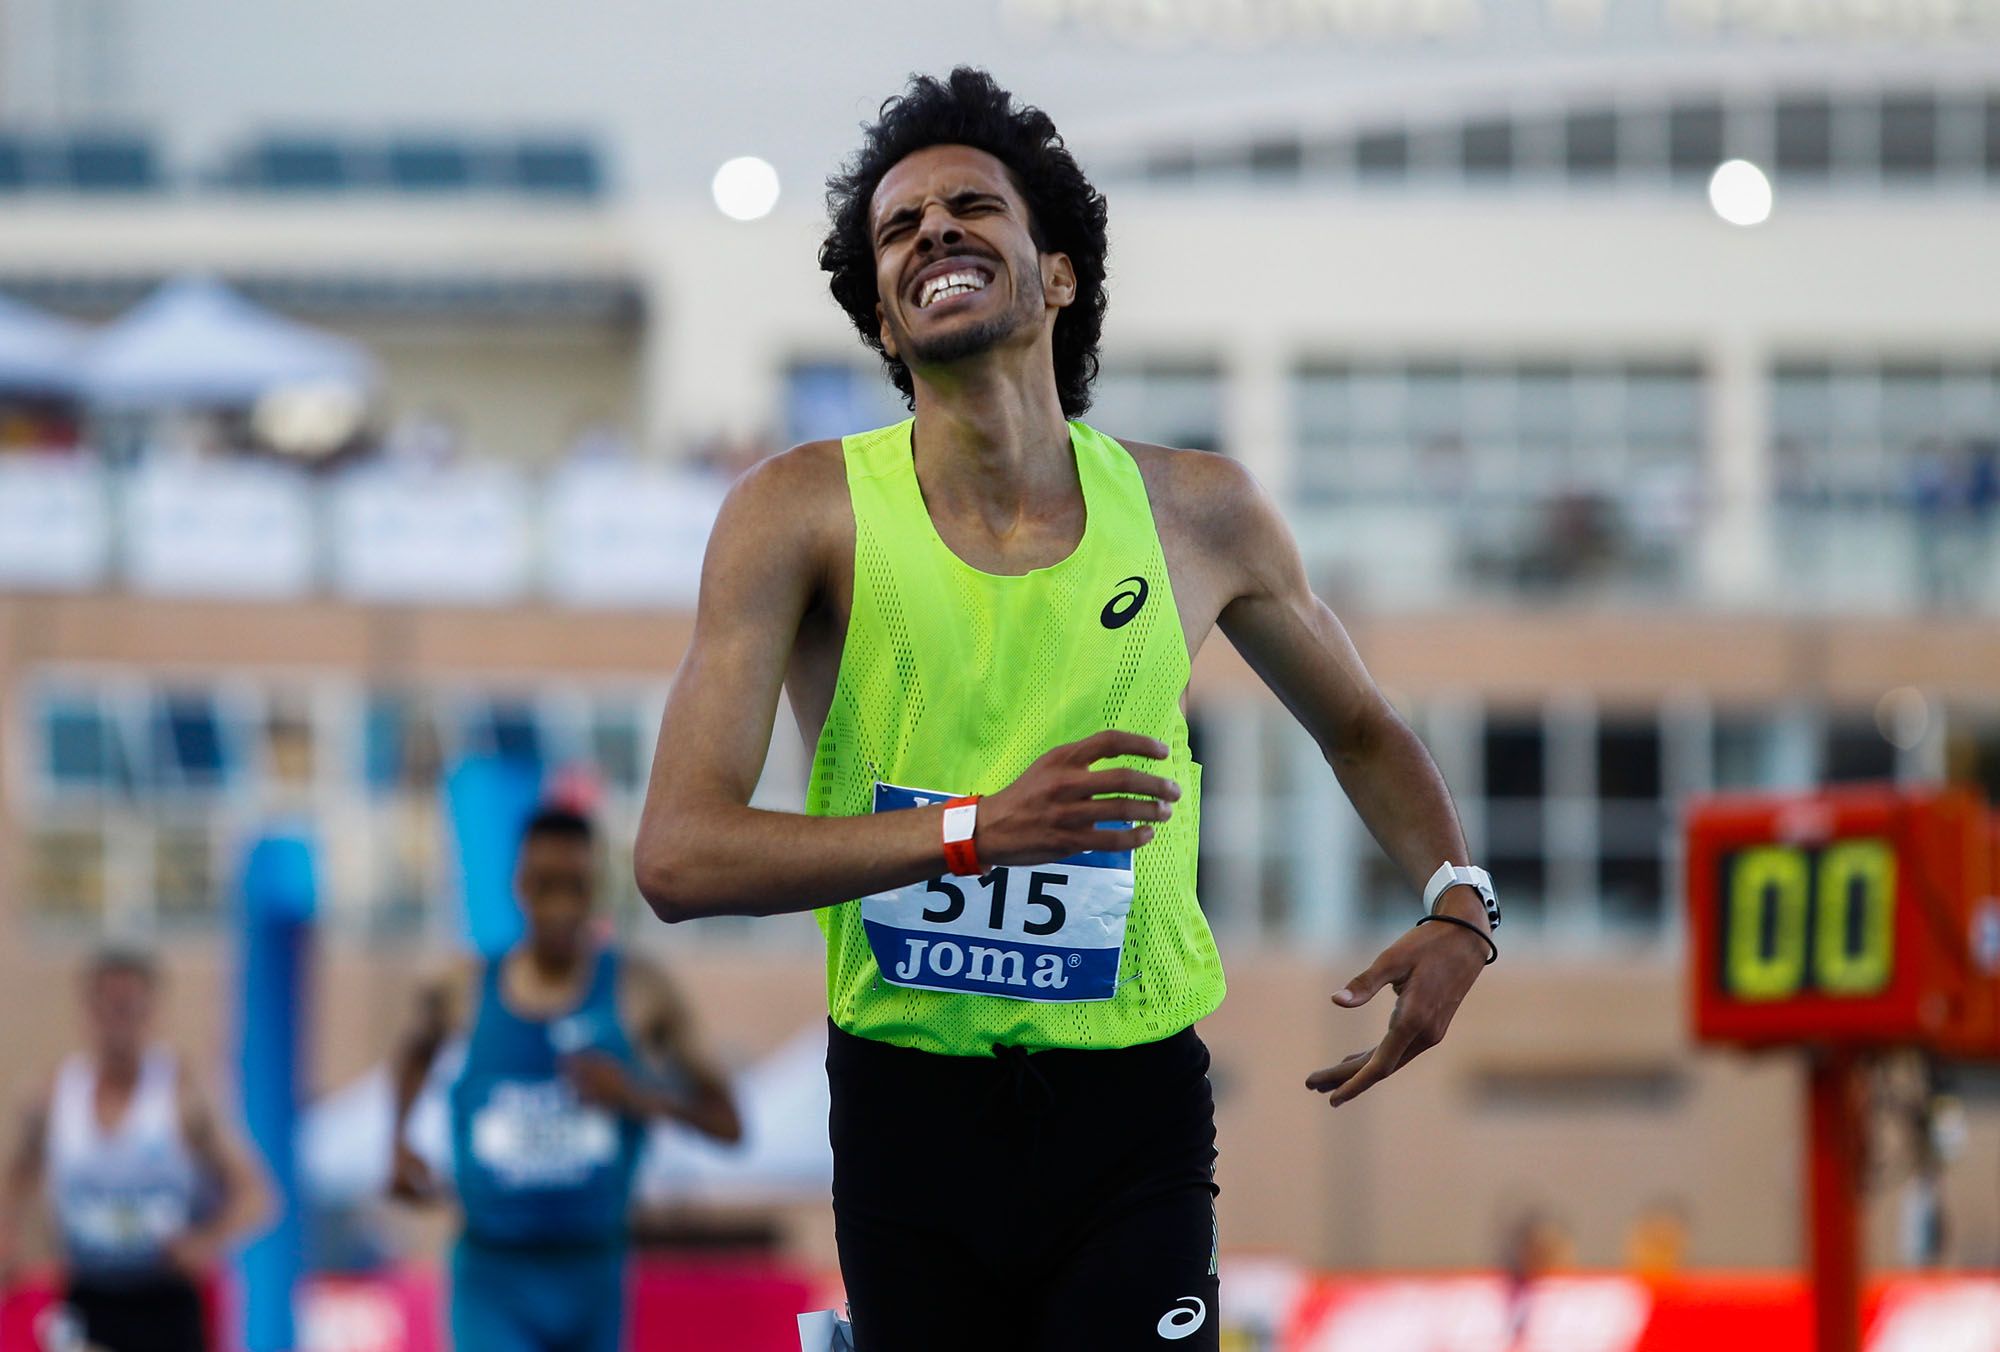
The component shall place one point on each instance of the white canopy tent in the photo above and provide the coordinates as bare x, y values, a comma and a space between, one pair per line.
194, 343
40, 354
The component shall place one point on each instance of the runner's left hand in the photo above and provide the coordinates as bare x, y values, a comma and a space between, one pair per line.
1431, 969
600, 1079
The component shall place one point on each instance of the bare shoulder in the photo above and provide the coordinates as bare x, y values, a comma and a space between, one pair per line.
455, 976
1205, 495
804, 485
446, 990
647, 996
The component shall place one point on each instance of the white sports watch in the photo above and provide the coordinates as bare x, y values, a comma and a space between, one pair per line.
1478, 879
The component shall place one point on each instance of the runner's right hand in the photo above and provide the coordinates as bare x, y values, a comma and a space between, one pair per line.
1052, 810
410, 1178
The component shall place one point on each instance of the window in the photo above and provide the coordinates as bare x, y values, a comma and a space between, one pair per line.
1590, 143
66, 874
1972, 752
1694, 139
556, 168
1855, 749
621, 749
110, 164
828, 399
1631, 820
1663, 406
14, 166
299, 166
290, 746
1507, 434
506, 728
1382, 155
1486, 148
83, 747
1512, 752
1909, 136
1171, 165
1745, 752
1278, 158
1805, 136
190, 750
1876, 436
1169, 403
185, 885
1632, 891
366, 764
1628, 758
429, 166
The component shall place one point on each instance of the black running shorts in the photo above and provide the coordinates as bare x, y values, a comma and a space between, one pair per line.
1059, 1201
161, 1314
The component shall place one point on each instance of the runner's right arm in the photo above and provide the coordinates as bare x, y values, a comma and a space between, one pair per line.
440, 1012
24, 1179
702, 850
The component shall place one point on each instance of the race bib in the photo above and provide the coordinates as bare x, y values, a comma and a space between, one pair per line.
1032, 932
535, 1134
113, 1223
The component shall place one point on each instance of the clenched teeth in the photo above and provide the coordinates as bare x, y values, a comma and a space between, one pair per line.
950, 284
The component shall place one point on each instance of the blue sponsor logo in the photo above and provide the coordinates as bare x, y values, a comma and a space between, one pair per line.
992, 966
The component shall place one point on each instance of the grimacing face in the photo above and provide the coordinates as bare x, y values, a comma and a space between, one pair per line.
556, 881
957, 270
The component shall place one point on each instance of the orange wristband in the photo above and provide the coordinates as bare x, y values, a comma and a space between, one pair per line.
960, 856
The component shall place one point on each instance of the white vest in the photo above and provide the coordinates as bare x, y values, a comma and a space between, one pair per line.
119, 1195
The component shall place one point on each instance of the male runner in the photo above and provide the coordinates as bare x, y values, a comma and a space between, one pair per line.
992, 600
572, 1047
146, 1187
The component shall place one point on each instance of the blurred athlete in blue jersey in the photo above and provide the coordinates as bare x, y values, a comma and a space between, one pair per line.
572, 1047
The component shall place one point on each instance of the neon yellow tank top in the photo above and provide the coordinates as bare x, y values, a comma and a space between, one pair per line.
953, 680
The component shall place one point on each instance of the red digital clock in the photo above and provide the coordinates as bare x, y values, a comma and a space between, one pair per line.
1847, 916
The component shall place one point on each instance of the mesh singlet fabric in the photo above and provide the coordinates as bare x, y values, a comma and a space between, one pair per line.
954, 679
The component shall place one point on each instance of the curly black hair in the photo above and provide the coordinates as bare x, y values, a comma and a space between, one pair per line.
1065, 213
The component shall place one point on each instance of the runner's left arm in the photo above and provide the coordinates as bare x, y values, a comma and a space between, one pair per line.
1300, 649
244, 1199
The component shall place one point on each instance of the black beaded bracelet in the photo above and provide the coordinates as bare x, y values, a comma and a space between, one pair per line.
1493, 949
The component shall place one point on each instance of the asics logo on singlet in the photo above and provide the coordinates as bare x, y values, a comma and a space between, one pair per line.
1181, 1321
1120, 609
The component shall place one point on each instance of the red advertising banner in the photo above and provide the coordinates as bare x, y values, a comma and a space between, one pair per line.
704, 1307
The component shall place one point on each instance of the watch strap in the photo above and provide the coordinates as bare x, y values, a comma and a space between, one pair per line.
1478, 879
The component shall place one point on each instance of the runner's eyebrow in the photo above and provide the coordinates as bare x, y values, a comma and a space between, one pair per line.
958, 201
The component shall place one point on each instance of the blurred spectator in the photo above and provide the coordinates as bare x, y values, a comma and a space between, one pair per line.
1656, 1242
1536, 1244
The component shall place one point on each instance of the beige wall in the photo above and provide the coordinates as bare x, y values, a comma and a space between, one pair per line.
1565, 1083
